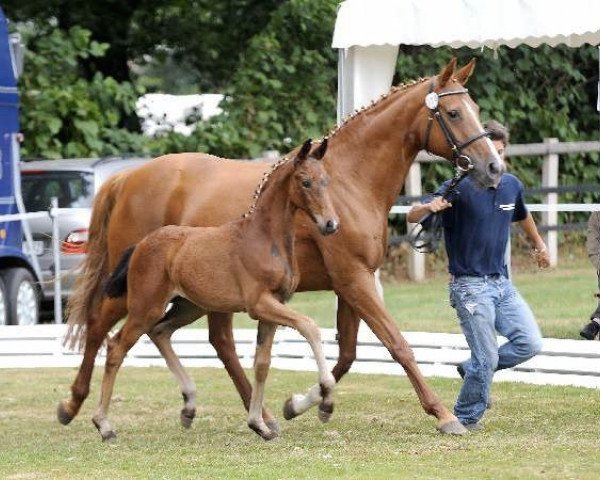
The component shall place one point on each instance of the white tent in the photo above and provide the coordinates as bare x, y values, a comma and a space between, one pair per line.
368, 33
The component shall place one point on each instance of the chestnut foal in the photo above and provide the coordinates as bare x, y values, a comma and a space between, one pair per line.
246, 265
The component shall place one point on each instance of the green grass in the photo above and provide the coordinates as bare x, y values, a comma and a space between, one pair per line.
561, 299
378, 432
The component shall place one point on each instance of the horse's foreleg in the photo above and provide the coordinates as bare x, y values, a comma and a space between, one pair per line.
369, 305
110, 312
270, 309
220, 331
262, 362
347, 332
181, 314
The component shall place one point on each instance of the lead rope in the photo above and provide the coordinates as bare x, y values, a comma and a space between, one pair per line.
425, 236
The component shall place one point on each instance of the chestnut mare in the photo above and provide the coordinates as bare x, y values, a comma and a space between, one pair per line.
246, 265
368, 159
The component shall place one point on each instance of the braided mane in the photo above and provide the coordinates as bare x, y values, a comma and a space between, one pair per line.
334, 131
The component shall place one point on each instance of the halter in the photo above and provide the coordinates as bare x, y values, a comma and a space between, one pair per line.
462, 162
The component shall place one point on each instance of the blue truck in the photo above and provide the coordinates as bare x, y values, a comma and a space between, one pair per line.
19, 272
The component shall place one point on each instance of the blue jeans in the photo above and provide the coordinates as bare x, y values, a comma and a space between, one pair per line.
486, 305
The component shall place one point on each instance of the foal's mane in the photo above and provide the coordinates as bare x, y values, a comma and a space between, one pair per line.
395, 90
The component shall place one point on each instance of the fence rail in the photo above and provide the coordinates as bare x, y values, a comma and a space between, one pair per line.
561, 362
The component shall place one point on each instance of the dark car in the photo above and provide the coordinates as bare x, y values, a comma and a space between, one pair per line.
74, 183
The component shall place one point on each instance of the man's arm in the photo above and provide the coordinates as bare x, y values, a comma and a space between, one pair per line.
417, 212
541, 254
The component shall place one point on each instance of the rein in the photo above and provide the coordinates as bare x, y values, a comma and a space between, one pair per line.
461, 161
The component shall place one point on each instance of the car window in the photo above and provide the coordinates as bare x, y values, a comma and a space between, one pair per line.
73, 189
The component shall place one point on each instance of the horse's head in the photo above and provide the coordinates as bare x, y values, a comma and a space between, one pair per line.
308, 188
453, 129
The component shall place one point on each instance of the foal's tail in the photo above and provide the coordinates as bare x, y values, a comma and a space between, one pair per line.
116, 286
88, 290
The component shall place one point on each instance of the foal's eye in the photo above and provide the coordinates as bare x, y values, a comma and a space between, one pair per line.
453, 114
306, 183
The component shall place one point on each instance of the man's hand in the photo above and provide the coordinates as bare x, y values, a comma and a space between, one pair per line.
438, 204
542, 256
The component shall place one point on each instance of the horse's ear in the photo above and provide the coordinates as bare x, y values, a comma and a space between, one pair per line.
319, 153
447, 72
462, 76
303, 153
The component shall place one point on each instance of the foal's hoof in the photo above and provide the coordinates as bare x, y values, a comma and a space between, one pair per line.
288, 409
109, 437
266, 434
273, 425
64, 417
453, 427
325, 412
187, 417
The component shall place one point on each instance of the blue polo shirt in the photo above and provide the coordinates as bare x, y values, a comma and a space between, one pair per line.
477, 226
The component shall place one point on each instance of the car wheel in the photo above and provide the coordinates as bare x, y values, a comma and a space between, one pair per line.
3, 306
22, 297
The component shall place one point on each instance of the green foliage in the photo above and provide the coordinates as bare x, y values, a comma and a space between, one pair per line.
62, 114
283, 91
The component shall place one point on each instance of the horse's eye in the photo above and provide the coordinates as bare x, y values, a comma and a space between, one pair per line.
306, 183
453, 114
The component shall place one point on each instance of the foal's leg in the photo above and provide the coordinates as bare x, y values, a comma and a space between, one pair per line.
347, 332
118, 346
262, 362
181, 314
220, 331
270, 309
369, 305
109, 313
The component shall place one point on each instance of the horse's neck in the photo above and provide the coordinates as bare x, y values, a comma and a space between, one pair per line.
372, 152
273, 217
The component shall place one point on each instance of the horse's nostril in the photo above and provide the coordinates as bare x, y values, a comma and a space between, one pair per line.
494, 168
331, 226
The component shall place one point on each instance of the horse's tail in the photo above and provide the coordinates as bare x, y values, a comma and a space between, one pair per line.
88, 290
116, 286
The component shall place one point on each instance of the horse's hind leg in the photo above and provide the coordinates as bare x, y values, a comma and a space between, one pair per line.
110, 312
220, 328
347, 333
262, 362
181, 314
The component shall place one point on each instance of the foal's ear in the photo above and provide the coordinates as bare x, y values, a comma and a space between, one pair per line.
462, 76
303, 153
319, 153
446, 73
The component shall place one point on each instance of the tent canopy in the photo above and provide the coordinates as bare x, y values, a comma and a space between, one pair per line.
368, 33
471, 23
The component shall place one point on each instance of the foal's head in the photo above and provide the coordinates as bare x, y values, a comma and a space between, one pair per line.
308, 187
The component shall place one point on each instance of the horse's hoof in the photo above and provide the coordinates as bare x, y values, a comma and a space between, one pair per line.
63, 416
267, 434
453, 427
274, 426
109, 436
288, 410
187, 417
325, 413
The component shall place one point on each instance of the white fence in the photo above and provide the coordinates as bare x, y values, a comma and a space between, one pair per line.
561, 362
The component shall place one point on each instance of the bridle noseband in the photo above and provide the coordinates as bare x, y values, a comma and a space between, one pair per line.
462, 162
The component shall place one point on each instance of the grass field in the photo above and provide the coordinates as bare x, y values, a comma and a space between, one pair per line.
378, 432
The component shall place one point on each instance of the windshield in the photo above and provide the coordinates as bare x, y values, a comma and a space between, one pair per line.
73, 189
